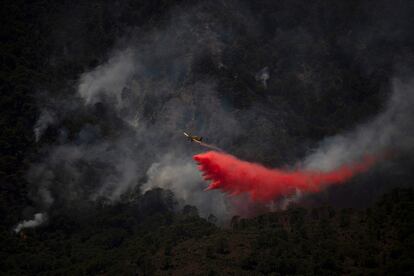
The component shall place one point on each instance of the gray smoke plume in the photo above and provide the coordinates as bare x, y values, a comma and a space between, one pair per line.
388, 134
46, 119
120, 126
263, 76
143, 101
390, 131
108, 79
38, 219
180, 176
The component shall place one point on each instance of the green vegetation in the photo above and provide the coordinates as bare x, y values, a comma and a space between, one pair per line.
339, 79
124, 240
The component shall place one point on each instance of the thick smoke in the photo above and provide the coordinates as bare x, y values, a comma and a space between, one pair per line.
108, 80
140, 100
391, 131
38, 219
180, 176
336, 161
119, 129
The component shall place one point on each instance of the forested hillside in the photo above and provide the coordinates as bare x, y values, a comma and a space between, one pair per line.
143, 239
96, 177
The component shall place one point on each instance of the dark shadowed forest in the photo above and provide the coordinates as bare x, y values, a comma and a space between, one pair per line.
96, 177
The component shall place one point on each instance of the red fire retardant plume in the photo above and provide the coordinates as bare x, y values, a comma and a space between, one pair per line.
234, 176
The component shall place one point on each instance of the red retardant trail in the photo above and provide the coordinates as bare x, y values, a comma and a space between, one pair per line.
234, 176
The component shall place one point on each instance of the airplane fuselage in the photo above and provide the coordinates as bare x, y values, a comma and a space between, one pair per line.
193, 138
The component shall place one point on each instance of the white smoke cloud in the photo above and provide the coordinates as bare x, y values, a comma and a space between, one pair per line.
151, 92
124, 178
46, 119
392, 130
108, 79
263, 76
180, 175
146, 102
38, 219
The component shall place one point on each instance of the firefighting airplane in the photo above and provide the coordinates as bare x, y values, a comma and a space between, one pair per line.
193, 138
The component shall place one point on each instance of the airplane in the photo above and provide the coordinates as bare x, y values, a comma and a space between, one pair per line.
193, 138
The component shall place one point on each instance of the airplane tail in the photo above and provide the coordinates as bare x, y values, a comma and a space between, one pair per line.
213, 147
